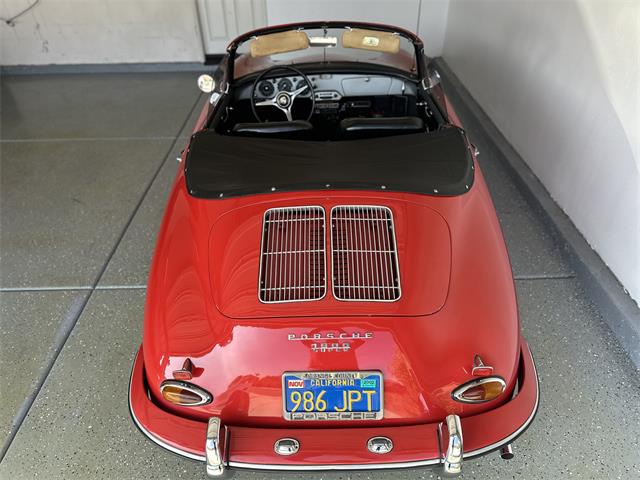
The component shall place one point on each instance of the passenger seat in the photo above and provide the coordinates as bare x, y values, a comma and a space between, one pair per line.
357, 127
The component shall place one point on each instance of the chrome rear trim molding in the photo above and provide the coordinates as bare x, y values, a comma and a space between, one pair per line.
159, 442
365, 466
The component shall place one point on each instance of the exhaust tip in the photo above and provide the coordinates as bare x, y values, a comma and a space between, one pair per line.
506, 452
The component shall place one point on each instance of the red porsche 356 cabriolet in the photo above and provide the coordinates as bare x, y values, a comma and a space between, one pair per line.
330, 287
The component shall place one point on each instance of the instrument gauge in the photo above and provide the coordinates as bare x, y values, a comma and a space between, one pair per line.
285, 85
266, 88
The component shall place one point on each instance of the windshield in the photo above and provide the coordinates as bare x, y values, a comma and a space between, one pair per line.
325, 45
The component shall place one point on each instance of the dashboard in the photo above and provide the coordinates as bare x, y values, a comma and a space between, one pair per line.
332, 87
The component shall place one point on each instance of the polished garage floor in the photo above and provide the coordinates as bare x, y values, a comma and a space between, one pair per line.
87, 161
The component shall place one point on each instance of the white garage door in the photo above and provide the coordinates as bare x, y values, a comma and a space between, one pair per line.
222, 20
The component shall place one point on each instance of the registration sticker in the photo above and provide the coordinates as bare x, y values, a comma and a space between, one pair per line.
368, 383
332, 395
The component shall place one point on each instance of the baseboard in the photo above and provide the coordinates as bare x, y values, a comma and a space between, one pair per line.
103, 68
617, 308
212, 59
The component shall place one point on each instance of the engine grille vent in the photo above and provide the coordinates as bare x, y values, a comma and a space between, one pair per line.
364, 254
293, 267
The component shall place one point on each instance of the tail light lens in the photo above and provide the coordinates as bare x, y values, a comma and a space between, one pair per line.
184, 394
480, 390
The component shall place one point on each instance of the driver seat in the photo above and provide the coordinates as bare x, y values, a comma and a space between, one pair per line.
296, 129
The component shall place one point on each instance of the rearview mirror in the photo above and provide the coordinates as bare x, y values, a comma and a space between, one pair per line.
323, 41
206, 83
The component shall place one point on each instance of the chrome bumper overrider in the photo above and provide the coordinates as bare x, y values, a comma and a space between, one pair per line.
213, 449
453, 457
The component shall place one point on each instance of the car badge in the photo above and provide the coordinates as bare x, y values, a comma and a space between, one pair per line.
330, 341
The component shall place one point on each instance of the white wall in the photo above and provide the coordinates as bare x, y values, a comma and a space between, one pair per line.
426, 17
100, 31
141, 31
561, 80
433, 25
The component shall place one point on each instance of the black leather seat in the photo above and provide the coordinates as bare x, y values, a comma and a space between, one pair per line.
364, 127
293, 129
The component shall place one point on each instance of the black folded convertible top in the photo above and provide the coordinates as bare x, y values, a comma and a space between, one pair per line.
220, 166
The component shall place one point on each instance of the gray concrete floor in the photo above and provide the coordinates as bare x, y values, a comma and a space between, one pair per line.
86, 165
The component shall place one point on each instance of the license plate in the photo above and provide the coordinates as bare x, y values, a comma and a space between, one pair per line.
332, 395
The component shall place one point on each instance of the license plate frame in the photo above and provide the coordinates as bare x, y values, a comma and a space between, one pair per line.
332, 375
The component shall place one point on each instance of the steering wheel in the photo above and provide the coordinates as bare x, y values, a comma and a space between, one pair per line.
282, 100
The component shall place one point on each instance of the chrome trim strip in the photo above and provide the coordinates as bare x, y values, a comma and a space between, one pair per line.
359, 466
151, 436
373, 466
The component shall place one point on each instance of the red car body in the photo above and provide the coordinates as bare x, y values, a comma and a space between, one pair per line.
458, 301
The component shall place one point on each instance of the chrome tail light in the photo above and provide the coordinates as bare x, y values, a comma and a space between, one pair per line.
480, 390
184, 394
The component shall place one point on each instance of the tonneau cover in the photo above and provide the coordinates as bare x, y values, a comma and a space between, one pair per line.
221, 166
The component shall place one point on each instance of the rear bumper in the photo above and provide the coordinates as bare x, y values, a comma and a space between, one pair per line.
332, 448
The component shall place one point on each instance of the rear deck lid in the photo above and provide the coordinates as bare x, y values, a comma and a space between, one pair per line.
330, 258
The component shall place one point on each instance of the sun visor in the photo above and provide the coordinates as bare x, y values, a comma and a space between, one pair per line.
279, 43
371, 40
